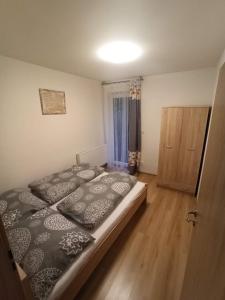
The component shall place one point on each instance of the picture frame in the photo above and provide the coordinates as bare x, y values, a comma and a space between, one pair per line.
52, 102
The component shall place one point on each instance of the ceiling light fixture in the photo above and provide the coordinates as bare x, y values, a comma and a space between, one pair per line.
119, 52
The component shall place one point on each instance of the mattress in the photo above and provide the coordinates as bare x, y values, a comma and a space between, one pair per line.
99, 234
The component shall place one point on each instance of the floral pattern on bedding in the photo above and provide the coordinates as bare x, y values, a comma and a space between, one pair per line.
54, 187
92, 202
17, 204
45, 245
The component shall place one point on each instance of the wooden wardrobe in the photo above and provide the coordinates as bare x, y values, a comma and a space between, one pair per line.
183, 135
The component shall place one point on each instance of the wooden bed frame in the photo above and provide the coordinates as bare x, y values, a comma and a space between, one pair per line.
14, 283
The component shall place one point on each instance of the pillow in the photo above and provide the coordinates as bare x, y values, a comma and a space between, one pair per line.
45, 245
87, 171
92, 202
54, 187
17, 204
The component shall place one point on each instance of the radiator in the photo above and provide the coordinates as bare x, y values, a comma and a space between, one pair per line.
96, 155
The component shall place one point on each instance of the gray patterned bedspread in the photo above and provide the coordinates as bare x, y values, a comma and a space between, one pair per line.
17, 204
92, 202
45, 245
54, 187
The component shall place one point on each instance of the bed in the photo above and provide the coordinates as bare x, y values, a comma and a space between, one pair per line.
74, 278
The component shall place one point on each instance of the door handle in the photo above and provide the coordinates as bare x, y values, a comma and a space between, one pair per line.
191, 217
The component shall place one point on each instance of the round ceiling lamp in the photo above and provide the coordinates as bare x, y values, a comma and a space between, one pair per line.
119, 52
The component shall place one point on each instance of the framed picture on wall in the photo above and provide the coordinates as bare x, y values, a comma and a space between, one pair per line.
52, 102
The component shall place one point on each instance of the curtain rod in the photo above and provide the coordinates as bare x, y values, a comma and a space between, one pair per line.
122, 80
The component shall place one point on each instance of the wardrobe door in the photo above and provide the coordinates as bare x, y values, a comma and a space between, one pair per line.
171, 125
191, 147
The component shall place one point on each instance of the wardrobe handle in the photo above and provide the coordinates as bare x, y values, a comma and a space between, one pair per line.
191, 217
193, 212
191, 149
169, 147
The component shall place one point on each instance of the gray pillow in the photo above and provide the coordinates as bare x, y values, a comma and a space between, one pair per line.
17, 204
45, 245
92, 202
54, 187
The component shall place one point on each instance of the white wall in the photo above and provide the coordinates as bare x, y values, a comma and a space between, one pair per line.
33, 145
182, 88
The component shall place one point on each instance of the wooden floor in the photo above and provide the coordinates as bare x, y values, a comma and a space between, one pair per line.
148, 259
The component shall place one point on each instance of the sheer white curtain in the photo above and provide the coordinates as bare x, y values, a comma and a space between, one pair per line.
116, 123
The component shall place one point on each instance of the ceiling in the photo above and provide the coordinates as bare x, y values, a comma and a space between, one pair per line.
175, 35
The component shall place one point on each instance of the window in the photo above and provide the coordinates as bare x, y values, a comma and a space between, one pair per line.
120, 129
116, 98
